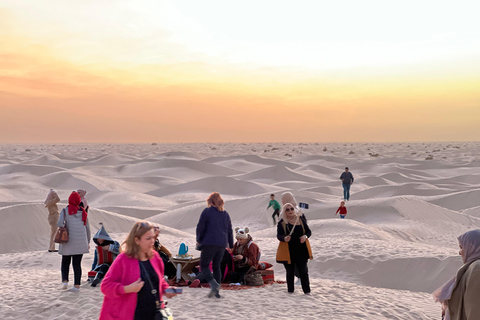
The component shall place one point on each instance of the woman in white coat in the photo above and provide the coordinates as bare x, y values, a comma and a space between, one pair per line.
75, 219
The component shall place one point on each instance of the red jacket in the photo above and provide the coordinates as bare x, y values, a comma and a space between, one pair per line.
343, 210
251, 254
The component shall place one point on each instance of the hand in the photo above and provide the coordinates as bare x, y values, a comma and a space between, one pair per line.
238, 257
287, 238
134, 287
169, 295
303, 239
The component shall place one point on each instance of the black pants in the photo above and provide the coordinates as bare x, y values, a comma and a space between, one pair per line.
239, 275
302, 270
77, 267
212, 254
275, 213
102, 270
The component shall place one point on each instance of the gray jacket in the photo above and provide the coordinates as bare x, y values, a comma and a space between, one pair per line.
78, 233
463, 304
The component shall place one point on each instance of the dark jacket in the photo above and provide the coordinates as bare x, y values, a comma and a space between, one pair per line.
214, 228
347, 177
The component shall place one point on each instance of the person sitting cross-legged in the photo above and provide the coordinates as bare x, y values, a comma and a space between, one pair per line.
246, 254
105, 253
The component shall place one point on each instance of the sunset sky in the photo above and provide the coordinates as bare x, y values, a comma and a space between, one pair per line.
239, 71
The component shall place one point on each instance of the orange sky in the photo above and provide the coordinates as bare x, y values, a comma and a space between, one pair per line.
164, 72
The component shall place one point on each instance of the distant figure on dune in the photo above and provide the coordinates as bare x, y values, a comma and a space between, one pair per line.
246, 254
214, 234
294, 248
342, 209
134, 286
276, 208
75, 218
347, 181
460, 296
84, 202
53, 214
105, 253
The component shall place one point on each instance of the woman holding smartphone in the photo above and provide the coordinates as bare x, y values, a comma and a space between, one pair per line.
135, 282
294, 248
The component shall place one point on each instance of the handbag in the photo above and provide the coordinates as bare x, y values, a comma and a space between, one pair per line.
253, 278
162, 313
62, 233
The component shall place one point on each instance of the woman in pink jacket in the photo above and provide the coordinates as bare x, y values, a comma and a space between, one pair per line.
128, 284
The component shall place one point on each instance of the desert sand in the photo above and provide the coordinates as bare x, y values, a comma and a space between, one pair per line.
408, 204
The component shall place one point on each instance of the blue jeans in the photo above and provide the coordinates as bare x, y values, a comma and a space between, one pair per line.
346, 191
342, 216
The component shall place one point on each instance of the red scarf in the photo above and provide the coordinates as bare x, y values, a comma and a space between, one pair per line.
73, 206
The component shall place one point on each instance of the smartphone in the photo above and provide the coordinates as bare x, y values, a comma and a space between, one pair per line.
174, 290
303, 205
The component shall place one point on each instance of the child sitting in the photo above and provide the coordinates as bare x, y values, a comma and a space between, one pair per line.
105, 253
246, 254
342, 209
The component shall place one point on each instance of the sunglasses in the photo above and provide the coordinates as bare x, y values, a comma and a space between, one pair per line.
146, 225
241, 231
289, 209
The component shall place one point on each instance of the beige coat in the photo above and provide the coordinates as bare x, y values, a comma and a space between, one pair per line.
51, 205
464, 303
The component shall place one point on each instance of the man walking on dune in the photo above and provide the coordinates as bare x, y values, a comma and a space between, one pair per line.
347, 180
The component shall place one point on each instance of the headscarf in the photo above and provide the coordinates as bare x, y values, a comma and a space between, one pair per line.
83, 193
470, 242
288, 197
73, 206
50, 196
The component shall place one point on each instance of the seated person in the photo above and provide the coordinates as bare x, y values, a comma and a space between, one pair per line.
105, 253
246, 254
170, 271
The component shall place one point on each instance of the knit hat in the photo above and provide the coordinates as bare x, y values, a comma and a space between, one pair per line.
241, 233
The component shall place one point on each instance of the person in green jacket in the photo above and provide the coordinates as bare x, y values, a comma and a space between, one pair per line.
276, 208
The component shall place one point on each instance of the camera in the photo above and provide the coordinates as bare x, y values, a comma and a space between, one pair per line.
303, 205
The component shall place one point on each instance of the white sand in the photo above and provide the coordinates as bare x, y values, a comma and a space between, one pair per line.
397, 244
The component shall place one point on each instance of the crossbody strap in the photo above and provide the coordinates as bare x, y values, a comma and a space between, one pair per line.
153, 291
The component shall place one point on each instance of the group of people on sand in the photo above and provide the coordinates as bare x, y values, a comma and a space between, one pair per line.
132, 275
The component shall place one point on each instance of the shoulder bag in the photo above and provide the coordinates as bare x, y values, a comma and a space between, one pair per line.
62, 233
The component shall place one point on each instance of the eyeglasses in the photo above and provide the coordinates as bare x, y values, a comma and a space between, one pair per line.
289, 209
241, 231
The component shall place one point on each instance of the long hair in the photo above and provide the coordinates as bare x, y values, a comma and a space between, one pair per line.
132, 249
215, 200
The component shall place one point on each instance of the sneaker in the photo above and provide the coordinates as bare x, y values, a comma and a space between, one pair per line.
73, 289
64, 285
195, 283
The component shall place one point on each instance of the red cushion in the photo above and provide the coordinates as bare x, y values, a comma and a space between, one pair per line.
262, 265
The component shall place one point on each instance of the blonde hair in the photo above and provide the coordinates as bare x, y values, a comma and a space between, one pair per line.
215, 200
132, 249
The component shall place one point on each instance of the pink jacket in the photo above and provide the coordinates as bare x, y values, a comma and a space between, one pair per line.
120, 305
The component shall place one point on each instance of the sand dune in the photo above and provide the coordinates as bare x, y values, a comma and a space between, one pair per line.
397, 244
